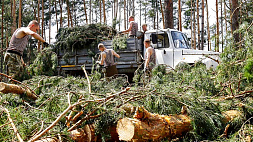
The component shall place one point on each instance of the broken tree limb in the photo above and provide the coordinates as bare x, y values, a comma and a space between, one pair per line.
147, 126
12, 88
53, 139
12, 123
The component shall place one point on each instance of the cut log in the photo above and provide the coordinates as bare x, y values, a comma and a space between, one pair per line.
147, 126
12, 88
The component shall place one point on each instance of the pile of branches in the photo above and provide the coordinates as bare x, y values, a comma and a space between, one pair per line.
83, 36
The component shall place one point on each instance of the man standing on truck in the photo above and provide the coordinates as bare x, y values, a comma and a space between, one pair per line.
133, 28
150, 57
13, 56
107, 59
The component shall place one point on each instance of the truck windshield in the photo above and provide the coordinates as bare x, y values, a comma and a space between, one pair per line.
159, 40
179, 40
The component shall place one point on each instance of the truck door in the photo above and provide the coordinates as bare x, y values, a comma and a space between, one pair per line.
161, 44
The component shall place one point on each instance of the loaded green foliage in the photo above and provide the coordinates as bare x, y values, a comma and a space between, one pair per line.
83, 36
119, 42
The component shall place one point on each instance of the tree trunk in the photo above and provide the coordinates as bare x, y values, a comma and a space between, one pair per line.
125, 14
191, 25
217, 28
179, 16
198, 45
100, 11
2, 35
147, 126
12, 88
20, 14
61, 20
221, 21
14, 23
85, 11
161, 5
208, 28
202, 25
42, 22
168, 11
56, 19
49, 34
194, 26
38, 8
104, 11
234, 20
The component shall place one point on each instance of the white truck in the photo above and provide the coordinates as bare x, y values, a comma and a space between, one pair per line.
171, 47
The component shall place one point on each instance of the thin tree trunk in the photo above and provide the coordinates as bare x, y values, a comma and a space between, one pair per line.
42, 25
70, 23
85, 11
179, 16
208, 29
198, 26
56, 19
61, 20
194, 26
125, 14
38, 8
161, 5
221, 18
116, 9
140, 12
191, 25
2, 35
104, 11
90, 11
20, 13
49, 34
100, 11
202, 25
169, 14
225, 13
14, 23
34, 10
217, 28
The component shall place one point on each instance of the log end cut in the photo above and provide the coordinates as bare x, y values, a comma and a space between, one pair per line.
125, 129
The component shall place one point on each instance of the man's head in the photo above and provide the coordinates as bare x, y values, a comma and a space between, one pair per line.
131, 18
147, 43
144, 27
34, 26
101, 47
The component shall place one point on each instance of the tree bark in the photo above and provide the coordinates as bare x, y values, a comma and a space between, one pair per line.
198, 45
161, 5
202, 25
42, 22
56, 19
20, 14
85, 11
217, 28
61, 20
147, 126
49, 33
104, 12
194, 26
234, 20
14, 23
12, 88
38, 8
208, 28
168, 11
179, 16
2, 35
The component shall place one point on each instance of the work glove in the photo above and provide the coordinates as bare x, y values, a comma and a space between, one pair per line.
45, 44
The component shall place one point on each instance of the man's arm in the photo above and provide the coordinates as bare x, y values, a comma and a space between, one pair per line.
27, 31
115, 54
103, 56
129, 29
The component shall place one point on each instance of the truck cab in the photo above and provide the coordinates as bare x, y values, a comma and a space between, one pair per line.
172, 47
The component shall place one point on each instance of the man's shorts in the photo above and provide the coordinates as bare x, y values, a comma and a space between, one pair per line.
14, 65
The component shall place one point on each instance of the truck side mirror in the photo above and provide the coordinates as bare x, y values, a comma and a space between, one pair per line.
164, 52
